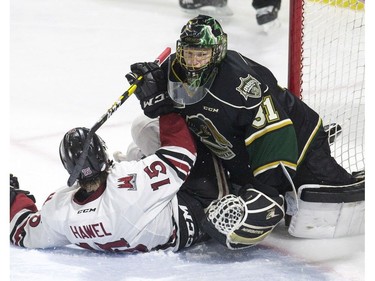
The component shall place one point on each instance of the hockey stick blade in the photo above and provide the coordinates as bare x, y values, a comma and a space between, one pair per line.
82, 158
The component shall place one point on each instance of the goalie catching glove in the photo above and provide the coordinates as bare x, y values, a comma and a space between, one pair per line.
152, 89
243, 221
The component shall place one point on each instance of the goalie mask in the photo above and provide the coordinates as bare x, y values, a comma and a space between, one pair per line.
201, 47
71, 148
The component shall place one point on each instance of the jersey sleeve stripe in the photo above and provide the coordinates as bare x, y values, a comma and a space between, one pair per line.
307, 145
178, 155
18, 233
273, 165
180, 162
267, 130
180, 166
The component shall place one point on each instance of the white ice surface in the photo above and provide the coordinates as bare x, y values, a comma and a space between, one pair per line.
68, 59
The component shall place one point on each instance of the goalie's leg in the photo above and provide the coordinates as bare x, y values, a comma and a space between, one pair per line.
323, 211
319, 167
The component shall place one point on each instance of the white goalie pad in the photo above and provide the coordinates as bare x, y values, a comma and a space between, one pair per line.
327, 211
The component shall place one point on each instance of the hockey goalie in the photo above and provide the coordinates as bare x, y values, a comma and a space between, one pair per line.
272, 145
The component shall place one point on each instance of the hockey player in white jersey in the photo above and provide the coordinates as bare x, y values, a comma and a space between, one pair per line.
121, 207
116, 207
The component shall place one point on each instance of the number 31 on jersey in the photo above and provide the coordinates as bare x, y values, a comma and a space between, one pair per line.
266, 113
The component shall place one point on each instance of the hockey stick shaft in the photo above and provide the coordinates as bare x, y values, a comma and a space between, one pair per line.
81, 160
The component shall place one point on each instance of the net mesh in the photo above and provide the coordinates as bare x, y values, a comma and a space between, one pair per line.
333, 72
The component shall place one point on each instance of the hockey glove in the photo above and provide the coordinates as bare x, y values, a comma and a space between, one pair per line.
15, 190
243, 221
152, 89
14, 182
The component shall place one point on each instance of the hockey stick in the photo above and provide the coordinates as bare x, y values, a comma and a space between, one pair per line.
81, 160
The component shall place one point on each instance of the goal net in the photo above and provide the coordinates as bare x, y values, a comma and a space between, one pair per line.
327, 69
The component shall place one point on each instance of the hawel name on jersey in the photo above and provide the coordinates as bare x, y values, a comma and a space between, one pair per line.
89, 231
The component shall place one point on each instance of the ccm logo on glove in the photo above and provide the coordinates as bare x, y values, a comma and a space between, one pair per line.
154, 100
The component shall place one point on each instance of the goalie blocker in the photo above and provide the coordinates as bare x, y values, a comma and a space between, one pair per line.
323, 211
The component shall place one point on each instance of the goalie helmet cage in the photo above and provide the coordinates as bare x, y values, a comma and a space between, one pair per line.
327, 69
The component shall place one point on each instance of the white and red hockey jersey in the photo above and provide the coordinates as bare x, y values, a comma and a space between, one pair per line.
137, 210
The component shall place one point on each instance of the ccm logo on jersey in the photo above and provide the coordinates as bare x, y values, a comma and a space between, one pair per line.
210, 109
86, 210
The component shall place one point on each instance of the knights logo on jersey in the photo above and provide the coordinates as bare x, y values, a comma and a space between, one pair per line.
249, 87
210, 136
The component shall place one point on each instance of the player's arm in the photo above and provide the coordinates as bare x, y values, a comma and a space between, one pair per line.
20, 200
271, 142
26, 227
178, 148
159, 176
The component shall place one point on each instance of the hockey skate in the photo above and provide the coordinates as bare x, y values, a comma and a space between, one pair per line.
267, 18
213, 8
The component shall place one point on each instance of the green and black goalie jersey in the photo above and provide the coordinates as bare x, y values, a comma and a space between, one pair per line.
251, 123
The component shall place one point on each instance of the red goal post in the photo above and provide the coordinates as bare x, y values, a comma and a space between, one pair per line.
327, 69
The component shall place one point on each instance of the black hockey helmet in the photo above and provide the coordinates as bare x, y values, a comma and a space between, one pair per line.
202, 39
71, 147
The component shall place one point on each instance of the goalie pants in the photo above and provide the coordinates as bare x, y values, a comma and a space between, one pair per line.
319, 167
207, 180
